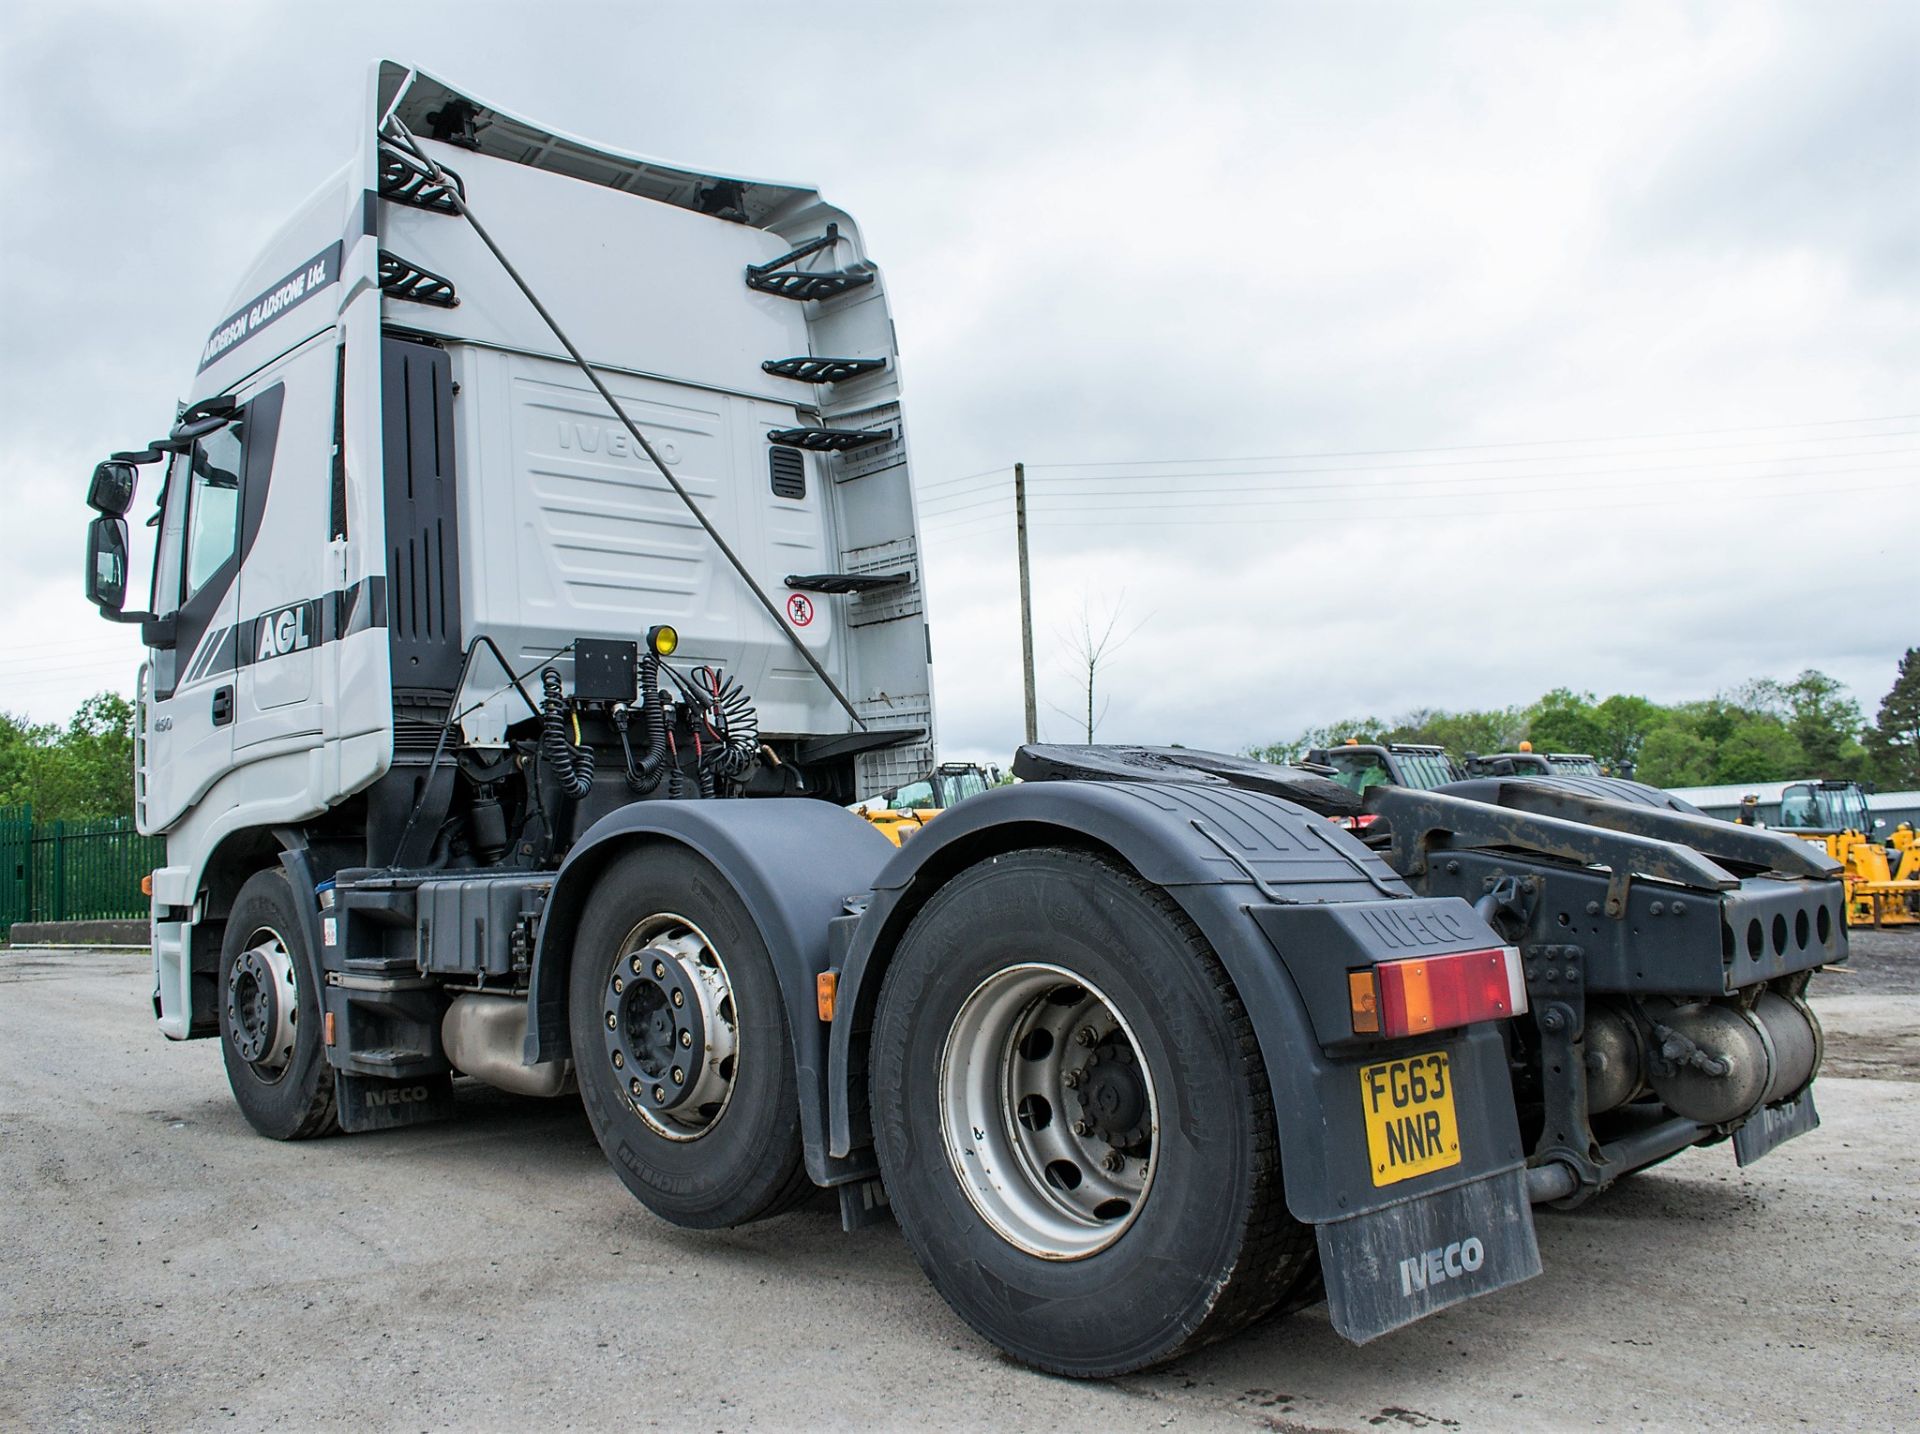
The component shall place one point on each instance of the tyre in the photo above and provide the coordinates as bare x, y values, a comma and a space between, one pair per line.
681, 1044
270, 1018
1073, 1120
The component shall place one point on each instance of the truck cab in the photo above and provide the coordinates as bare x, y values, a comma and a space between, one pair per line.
1359, 766
389, 499
1824, 808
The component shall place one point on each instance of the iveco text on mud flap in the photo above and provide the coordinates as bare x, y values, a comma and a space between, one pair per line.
537, 582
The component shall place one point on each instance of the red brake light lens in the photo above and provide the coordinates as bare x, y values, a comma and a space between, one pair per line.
1438, 993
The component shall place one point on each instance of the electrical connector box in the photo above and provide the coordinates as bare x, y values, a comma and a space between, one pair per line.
605, 670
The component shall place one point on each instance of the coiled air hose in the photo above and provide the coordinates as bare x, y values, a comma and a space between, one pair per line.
643, 776
572, 764
731, 723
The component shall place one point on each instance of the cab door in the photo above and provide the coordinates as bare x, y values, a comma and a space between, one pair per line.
288, 577
191, 708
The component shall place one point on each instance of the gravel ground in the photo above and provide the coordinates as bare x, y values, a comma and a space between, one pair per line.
166, 1268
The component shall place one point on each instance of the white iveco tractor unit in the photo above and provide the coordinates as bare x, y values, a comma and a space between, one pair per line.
535, 581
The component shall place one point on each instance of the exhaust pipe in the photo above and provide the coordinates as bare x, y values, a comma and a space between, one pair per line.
484, 1036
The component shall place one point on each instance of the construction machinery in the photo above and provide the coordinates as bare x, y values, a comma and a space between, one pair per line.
535, 579
899, 813
1883, 884
1359, 766
1527, 762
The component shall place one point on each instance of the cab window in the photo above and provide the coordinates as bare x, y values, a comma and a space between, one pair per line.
1357, 771
213, 505
912, 797
1798, 808
958, 786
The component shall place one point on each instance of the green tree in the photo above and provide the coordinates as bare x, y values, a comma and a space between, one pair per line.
1285, 753
78, 773
1895, 737
1827, 725
1625, 724
1676, 755
1566, 721
1761, 749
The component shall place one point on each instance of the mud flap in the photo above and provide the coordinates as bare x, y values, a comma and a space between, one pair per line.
1395, 1265
1774, 1126
375, 1103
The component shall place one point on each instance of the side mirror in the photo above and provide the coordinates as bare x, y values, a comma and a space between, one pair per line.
107, 563
111, 491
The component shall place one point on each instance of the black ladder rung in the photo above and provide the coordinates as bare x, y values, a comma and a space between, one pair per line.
404, 180
802, 287
828, 440
845, 582
822, 370
405, 279
769, 279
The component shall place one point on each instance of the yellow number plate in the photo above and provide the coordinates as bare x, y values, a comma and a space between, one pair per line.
1409, 1108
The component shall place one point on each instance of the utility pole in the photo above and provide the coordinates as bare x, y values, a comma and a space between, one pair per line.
1026, 597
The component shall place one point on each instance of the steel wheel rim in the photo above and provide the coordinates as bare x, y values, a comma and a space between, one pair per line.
1054, 1175
263, 1004
675, 1061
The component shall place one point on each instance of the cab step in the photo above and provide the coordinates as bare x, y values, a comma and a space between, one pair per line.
822, 370
838, 583
828, 440
773, 277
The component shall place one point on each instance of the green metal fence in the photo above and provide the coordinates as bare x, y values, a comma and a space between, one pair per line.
72, 871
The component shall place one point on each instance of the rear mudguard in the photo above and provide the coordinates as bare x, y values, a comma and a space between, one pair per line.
794, 863
1290, 903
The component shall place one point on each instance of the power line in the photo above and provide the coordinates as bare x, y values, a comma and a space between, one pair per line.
1059, 518
1390, 492
1404, 488
1427, 515
1481, 447
1483, 462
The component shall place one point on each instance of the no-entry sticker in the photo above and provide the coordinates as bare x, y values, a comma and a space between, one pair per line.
800, 609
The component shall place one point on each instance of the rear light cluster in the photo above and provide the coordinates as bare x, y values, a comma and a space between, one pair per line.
1437, 993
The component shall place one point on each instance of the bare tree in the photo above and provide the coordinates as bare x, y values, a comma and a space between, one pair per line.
1093, 644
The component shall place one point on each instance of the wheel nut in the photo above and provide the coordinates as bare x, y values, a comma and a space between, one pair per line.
618, 985
1110, 1161
659, 970
679, 997
1080, 1127
1071, 1080
637, 967
1085, 1036
659, 1095
619, 1060
679, 1076
634, 1086
612, 1020
686, 1040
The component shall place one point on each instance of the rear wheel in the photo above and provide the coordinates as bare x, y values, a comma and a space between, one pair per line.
1073, 1120
681, 1045
270, 1016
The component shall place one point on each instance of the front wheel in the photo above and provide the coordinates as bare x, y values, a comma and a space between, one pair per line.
1073, 1119
270, 1016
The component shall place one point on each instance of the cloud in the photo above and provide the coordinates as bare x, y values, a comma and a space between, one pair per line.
1115, 233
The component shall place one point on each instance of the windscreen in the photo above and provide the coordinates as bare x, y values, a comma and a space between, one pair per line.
1425, 770
1575, 767
1357, 768
1800, 807
956, 787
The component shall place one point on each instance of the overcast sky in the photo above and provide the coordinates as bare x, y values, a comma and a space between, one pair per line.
1364, 357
